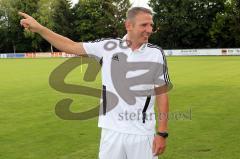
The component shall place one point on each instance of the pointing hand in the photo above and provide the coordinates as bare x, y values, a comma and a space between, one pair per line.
30, 23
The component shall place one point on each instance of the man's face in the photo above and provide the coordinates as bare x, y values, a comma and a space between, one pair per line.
140, 28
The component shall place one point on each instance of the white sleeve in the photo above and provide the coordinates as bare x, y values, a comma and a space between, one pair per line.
95, 48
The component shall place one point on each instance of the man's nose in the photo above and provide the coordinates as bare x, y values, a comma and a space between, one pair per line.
149, 29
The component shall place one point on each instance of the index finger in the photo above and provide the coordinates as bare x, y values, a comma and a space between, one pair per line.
24, 15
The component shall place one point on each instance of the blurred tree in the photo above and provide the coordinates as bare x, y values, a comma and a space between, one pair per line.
184, 23
43, 16
120, 15
225, 31
62, 17
5, 44
88, 20
14, 40
181, 23
99, 18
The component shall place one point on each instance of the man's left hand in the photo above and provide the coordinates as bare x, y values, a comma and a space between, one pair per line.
159, 145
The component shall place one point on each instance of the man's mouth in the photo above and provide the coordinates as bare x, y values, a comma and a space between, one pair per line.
146, 36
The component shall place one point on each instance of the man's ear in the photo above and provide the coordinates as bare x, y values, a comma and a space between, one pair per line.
128, 25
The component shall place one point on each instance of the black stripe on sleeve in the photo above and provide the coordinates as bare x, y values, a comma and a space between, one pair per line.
165, 69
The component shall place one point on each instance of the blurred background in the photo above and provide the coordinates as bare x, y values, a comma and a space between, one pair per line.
179, 24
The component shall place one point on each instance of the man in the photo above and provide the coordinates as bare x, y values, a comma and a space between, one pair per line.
128, 129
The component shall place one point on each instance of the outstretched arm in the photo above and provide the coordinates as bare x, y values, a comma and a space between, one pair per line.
60, 42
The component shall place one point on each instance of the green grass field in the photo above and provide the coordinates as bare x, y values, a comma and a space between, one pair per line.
30, 129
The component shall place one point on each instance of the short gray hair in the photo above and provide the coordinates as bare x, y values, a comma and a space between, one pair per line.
132, 12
